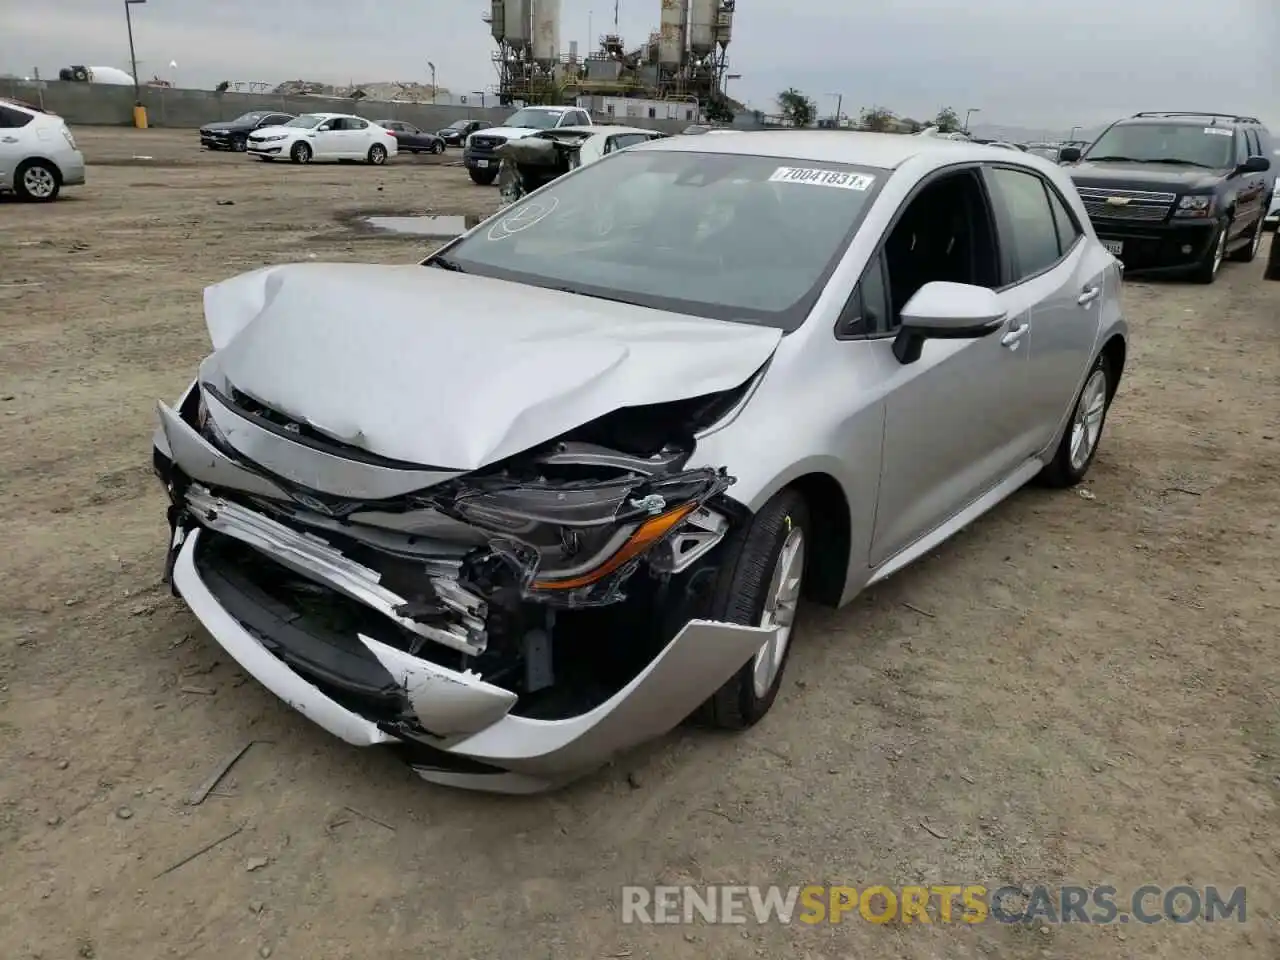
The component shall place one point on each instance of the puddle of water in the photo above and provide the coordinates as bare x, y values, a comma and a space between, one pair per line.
434, 227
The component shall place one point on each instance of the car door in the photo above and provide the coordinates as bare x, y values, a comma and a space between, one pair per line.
1058, 283
12, 148
954, 427
358, 135
1256, 192
328, 139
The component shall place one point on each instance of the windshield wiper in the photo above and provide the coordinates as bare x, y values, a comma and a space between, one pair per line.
1181, 163
444, 263
594, 296
1116, 159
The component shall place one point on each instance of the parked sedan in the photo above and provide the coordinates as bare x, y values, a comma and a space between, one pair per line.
324, 136
456, 133
38, 154
651, 407
412, 140
234, 134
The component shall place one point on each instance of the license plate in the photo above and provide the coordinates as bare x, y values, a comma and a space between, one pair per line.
1114, 247
482, 164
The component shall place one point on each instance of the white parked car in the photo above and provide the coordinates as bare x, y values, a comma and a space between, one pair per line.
38, 155
324, 136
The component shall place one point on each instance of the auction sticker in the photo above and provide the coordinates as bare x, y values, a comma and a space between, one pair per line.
814, 177
1219, 131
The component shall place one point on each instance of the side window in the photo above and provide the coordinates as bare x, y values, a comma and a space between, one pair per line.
1029, 218
1255, 147
1242, 147
11, 119
624, 140
1068, 230
584, 118
355, 123
867, 312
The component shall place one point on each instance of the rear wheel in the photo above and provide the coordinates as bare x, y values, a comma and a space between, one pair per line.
483, 177
301, 153
1246, 254
759, 584
37, 181
240, 144
1079, 441
1207, 270
377, 154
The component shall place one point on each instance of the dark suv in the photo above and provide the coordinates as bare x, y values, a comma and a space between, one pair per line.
1177, 193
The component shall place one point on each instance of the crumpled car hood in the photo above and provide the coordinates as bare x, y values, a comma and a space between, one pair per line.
456, 371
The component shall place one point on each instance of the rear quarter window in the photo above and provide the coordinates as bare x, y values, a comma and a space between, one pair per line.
11, 119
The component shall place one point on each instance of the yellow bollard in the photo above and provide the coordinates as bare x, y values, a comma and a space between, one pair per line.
140, 117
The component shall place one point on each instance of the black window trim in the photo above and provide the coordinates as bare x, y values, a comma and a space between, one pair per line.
1002, 224
976, 168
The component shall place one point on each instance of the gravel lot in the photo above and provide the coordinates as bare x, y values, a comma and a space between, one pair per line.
1079, 688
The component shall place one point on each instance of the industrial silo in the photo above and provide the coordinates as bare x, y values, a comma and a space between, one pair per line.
673, 28
517, 23
498, 20
702, 26
546, 31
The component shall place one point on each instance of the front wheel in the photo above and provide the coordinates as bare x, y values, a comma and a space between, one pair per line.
240, 144
377, 154
301, 153
759, 584
1207, 270
1079, 443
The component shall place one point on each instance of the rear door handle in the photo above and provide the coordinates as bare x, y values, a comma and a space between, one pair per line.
8, 140
1088, 295
1013, 338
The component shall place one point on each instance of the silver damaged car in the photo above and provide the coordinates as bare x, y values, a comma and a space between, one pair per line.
562, 485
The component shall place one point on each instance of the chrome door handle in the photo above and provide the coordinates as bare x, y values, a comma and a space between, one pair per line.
1013, 338
8, 139
1088, 295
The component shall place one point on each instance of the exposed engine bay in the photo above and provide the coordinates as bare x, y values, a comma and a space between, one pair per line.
530, 162
555, 575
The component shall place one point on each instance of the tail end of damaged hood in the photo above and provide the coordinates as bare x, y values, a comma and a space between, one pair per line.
456, 371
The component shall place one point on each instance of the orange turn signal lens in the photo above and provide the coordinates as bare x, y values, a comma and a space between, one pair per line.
646, 535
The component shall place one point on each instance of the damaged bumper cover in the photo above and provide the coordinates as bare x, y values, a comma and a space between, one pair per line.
476, 741
415, 660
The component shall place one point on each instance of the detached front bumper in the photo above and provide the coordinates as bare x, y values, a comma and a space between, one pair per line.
478, 741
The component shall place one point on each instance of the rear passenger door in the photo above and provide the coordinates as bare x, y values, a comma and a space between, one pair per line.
1056, 295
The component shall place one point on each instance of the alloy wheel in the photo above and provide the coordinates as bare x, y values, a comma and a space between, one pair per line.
39, 182
780, 611
1086, 421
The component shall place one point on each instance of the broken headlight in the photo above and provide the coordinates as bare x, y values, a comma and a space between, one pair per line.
586, 534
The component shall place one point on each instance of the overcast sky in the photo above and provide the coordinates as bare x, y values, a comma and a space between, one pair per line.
1022, 62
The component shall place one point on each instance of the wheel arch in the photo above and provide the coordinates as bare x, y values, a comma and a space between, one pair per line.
1115, 350
38, 158
831, 534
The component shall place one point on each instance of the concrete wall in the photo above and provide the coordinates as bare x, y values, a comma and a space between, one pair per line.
92, 104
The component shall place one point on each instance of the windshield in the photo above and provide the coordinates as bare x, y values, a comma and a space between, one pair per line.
307, 120
456, 125
248, 118
744, 238
537, 119
1199, 145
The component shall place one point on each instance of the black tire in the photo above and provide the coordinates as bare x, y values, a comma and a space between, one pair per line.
1206, 271
37, 181
1272, 269
240, 144
740, 594
265, 159
1060, 472
483, 178
1247, 253
437, 148
301, 153
377, 155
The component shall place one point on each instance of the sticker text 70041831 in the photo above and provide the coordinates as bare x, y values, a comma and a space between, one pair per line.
1218, 130
815, 177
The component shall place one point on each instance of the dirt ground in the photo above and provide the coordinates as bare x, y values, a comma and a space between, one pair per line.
1079, 688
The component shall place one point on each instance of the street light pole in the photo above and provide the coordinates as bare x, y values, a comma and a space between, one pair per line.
133, 57
839, 104
433, 80
969, 113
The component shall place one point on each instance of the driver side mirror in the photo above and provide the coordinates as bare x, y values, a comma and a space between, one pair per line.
946, 311
1069, 155
1255, 164
323, 127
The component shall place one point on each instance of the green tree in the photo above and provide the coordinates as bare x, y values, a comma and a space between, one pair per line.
796, 108
912, 126
719, 109
947, 121
877, 120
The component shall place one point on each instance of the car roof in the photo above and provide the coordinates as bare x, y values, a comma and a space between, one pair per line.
1190, 120
601, 129
884, 150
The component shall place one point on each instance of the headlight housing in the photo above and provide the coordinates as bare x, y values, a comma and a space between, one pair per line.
1195, 205
273, 137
